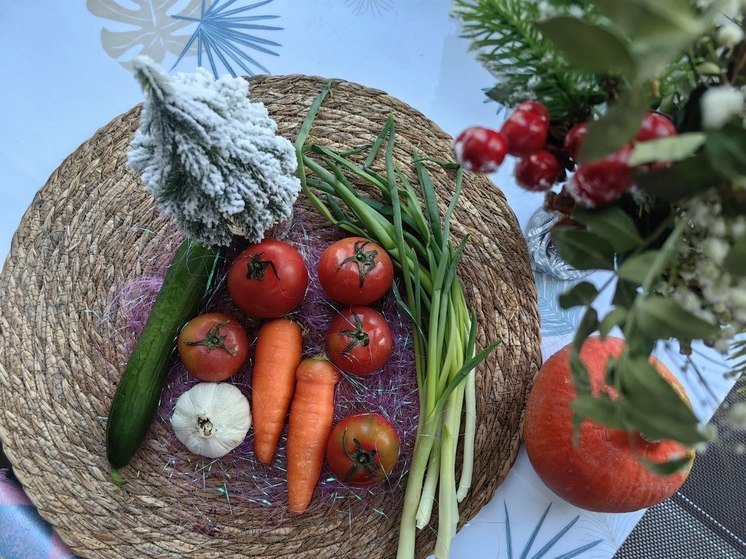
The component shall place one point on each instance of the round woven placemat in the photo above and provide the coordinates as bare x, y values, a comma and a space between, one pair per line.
92, 228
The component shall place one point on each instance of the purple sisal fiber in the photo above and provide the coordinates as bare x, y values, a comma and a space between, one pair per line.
238, 476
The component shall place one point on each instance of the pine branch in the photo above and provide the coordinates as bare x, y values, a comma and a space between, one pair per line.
524, 63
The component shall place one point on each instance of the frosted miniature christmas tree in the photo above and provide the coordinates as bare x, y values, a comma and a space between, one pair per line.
210, 157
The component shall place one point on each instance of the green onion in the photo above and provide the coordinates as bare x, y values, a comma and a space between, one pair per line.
417, 237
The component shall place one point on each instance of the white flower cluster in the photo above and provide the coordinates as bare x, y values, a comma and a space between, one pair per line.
721, 104
700, 284
729, 35
737, 416
210, 157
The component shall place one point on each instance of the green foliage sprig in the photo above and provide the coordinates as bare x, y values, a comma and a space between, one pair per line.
526, 65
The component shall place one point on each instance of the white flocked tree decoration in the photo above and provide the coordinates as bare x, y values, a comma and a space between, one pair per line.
210, 156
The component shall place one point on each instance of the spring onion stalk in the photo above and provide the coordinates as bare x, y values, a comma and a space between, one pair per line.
427, 500
410, 226
447, 505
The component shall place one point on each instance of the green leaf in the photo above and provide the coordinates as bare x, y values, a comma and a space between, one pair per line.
651, 405
600, 409
667, 468
432, 212
616, 128
463, 372
588, 46
614, 318
659, 30
583, 249
646, 18
662, 317
588, 324
735, 262
725, 148
582, 294
674, 148
636, 268
502, 93
625, 294
611, 223
682, 180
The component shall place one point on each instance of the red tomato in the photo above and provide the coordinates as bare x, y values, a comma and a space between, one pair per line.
359, 340
362, 449
213, 346
268, 279
355, 271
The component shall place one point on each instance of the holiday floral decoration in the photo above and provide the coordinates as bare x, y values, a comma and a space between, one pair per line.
631, 115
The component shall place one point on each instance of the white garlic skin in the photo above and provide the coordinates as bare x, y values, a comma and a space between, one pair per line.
211, 418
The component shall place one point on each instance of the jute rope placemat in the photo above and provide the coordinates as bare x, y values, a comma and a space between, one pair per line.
92, 228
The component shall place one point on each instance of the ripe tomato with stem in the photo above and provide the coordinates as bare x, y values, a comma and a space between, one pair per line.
355, 271
359, 340
213, 347
363, 449
268, 279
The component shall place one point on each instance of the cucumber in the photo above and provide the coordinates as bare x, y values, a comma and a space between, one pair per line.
136, 399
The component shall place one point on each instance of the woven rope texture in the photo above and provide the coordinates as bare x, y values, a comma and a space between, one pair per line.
92, 228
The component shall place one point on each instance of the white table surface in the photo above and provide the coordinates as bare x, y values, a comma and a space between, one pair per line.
60, 86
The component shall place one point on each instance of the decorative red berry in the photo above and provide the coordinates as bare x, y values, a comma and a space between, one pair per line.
655, 125
574, 139
480, 149
525, 132
601, 182
538, 171
536, 108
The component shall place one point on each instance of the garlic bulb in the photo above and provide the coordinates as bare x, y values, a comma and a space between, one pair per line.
211, 418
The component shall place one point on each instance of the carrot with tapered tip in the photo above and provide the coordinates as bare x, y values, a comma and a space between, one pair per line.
311, 417
278, 352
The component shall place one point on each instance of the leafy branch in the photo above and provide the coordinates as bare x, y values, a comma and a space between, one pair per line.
525, 64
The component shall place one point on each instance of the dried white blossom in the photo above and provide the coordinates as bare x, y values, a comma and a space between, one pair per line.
698, 281
717, 248
709, 432
720, 104
737, 416
729, 35
210, 157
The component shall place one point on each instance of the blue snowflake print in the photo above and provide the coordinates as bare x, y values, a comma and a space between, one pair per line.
375, 7
550, 544
225, 35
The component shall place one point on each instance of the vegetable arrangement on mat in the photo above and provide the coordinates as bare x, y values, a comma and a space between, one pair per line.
268, 281
198, 139
418, 240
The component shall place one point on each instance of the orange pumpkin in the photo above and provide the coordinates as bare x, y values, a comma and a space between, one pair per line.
602, 473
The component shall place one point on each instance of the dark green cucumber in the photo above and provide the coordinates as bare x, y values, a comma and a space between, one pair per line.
139, 391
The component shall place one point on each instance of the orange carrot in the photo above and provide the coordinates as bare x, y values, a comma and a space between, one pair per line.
311, 416
278, 352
